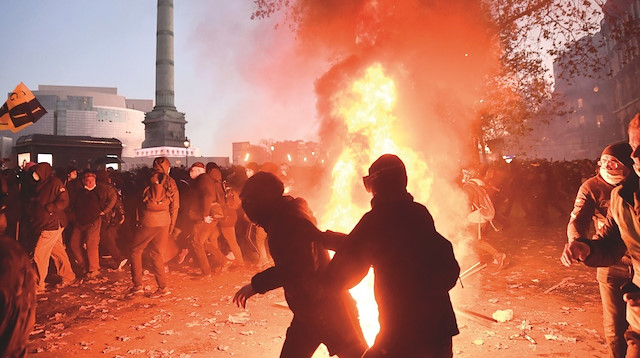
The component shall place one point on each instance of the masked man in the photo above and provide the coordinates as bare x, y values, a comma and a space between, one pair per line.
48, 218
591, 205
621, 232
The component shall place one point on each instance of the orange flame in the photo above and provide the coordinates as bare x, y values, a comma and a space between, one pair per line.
367, 109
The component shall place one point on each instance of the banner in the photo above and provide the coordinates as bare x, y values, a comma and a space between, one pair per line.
20, 110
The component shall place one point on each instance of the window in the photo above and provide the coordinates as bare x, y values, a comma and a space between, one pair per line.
580, 104
45, 157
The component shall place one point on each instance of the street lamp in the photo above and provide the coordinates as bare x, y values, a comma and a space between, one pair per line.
187, 144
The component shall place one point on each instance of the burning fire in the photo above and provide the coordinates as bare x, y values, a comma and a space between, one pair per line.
367, 110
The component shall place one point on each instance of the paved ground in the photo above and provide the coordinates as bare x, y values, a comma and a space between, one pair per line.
558, 308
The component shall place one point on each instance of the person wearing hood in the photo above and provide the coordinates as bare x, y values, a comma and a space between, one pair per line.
299, 253
617, 237
591, 205
414, 267
48, 220
225, 223
156, 222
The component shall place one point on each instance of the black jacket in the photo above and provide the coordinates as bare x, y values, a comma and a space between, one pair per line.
414, 268
299, 254
49, 202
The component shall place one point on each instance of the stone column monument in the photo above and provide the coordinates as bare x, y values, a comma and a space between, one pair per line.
164, 126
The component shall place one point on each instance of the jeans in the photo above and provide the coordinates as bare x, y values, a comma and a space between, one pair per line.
108, 237
205, 239
229, 233
610, 279
156, 238
88, 234
49, 245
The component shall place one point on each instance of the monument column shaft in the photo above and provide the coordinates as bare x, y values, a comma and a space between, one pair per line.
164, 55
164, 126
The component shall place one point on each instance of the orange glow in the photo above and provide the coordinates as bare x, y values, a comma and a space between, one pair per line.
367, 110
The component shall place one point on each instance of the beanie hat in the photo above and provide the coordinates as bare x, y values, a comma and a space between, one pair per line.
621, 151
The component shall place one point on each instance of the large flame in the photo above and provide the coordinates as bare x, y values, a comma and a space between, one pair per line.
367, 111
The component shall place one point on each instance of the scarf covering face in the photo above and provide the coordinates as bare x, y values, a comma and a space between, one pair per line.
612, 176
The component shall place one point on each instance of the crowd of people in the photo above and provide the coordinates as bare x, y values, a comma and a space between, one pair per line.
86, 221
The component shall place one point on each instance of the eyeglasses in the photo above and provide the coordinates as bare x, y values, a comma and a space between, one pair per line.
610, 164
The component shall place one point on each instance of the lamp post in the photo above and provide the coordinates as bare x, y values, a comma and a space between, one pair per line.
187, 144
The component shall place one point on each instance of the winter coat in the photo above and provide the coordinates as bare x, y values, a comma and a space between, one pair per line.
50, 200
203, 195
88, 204
591, 205
621, 232
149, 218
298, 252
414, 270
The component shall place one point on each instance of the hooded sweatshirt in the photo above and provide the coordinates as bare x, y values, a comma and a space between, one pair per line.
163, 218
50, 200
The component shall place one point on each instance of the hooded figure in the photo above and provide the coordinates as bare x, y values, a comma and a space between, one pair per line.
399, 240
154, 228
320, 315
49, 219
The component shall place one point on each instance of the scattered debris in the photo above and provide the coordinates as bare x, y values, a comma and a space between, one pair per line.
503, 315
564, 282
240, 318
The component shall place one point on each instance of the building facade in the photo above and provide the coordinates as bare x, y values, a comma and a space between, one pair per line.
599, 105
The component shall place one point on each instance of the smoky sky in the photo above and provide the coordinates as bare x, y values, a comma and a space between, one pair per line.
438, 53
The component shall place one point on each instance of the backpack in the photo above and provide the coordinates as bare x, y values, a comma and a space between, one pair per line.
482, 206
155, 196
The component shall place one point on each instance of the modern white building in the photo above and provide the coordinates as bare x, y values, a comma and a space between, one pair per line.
89, 111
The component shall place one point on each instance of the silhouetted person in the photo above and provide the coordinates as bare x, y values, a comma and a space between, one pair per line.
414, 268
297, 248
17, 297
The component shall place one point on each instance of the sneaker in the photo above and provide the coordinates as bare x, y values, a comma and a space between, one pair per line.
122, 263
161, 292
182, 255
500, 259
93, 274
136, 291
65, 283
